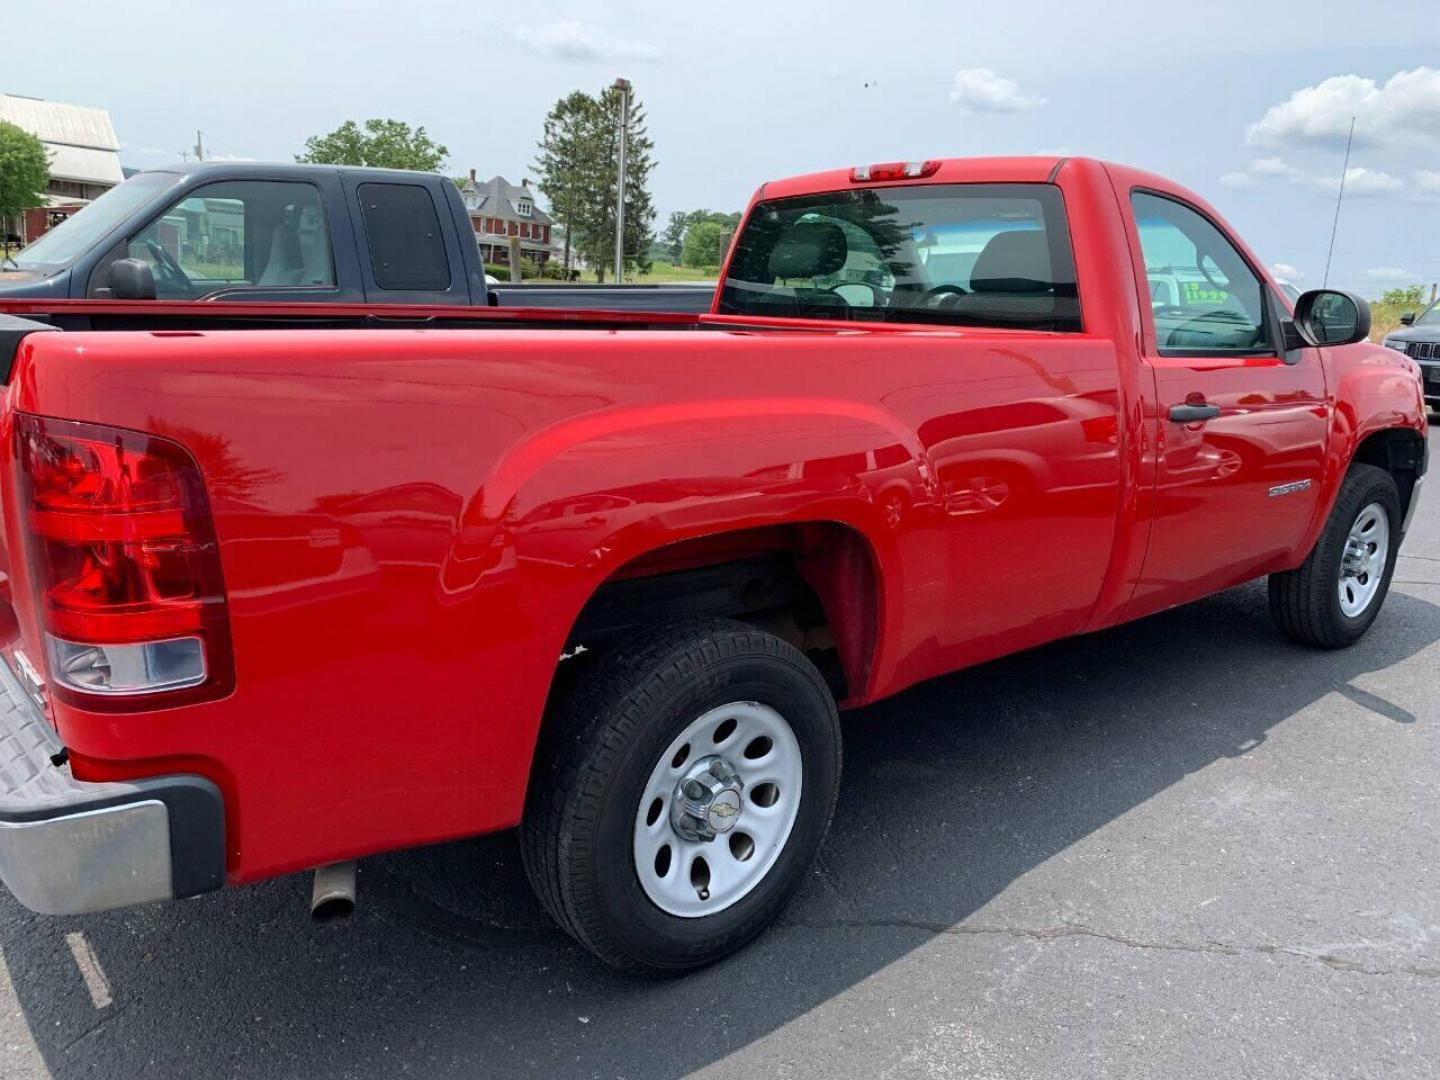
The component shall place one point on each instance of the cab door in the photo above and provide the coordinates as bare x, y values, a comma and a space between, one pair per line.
1239, 426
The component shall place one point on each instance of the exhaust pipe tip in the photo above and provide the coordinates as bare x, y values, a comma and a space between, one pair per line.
332, 899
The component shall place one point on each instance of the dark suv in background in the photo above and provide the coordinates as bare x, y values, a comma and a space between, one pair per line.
1419, 339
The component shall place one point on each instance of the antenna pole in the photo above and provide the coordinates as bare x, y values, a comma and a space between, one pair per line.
1335, 225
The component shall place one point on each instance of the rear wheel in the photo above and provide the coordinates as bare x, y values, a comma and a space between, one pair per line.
1332, 599
682, 791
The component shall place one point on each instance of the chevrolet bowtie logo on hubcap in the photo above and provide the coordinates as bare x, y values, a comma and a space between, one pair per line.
708, 800
724, 811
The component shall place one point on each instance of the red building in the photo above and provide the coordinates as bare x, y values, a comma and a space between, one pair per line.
499, 210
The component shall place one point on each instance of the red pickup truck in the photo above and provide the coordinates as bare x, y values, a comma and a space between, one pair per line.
288, 585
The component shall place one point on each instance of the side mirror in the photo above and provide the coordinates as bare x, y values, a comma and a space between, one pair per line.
1331, 317
132, 279
1408, 319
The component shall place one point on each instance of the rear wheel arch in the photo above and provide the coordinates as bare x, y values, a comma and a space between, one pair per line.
817, 584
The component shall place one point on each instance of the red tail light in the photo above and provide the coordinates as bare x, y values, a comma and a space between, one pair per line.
125, 565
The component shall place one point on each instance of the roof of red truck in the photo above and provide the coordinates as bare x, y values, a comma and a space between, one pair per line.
973, 170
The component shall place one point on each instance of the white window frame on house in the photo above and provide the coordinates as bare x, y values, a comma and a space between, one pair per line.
524, 207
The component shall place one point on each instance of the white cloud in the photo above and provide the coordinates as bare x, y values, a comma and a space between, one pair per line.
1287, 271
981, 90
1427, 181
1359, 181
1405, 107
570, 39
1389, 274
1273, 166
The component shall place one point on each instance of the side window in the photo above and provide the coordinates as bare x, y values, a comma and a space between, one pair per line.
1204, 297
238, 233
407, 249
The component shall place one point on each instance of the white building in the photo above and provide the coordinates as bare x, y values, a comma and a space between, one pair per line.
84, 155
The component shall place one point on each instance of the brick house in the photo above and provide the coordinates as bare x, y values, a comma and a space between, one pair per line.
84, 158
499, 210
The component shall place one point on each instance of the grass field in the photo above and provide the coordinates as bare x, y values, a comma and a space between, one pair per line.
664, 273
1385, 317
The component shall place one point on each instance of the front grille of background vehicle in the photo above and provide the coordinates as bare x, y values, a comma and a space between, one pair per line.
1423, 350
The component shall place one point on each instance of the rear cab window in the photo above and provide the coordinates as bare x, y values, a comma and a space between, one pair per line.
990, 255
407, 248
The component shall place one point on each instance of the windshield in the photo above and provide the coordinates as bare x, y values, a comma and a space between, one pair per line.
1429, 317
959, 254
80, 232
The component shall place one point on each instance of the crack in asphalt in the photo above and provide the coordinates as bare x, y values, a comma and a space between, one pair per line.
107, 1017
1052, 933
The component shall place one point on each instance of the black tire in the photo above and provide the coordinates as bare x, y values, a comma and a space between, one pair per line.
1305, 602
596, 754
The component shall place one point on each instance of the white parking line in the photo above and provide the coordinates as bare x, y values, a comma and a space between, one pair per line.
90, 969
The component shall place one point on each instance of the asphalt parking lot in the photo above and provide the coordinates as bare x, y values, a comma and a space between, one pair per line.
1183, 848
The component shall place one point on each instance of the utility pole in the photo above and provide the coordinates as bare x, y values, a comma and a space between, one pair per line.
1335, 226
199, 145
623, 86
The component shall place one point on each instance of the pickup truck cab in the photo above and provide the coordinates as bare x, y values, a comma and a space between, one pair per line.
276, 599
242, 231
246, 232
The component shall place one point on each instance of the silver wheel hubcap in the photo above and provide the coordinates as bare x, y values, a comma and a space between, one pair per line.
717, 810
1362, 567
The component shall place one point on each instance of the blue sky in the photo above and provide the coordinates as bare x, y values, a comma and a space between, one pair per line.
1241, 101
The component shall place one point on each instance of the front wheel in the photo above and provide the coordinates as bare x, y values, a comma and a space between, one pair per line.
1331, 600
681, 794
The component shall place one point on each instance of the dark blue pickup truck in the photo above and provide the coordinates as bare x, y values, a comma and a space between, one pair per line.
228, 231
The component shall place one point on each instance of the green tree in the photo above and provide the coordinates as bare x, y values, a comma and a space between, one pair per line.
673, 238
386, 144
24, 170
578, 172
682, 221
566, 160
703, 244
1410, 297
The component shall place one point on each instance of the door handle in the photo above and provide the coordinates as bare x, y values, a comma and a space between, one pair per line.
1192, 414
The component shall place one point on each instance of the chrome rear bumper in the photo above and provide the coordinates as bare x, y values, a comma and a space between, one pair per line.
68, 847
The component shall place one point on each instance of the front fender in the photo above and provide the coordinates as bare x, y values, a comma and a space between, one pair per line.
1372, 389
